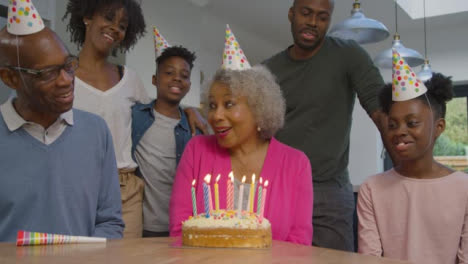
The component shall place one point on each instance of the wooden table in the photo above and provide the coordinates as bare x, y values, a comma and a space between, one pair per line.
168, 250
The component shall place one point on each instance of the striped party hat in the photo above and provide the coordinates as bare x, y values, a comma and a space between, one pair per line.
25, 238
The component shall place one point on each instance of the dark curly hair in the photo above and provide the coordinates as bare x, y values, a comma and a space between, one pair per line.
79, 9
177, 51
439, 92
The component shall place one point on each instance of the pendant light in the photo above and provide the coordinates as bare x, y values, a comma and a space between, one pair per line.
360, 28
426, 72
412, 57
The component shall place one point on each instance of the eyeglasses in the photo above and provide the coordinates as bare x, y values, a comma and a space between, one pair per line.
51, 73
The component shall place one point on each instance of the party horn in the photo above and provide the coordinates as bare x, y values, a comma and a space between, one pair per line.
26, 238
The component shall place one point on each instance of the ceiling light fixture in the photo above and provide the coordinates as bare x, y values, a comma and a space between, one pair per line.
426, 71
360, 28
412, 57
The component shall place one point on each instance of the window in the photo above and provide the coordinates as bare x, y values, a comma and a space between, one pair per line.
451, 148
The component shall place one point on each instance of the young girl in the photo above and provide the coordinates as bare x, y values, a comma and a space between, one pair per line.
100, 27
417, 211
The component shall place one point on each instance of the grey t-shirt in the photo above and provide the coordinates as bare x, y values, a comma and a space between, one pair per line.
320, 94
156, 157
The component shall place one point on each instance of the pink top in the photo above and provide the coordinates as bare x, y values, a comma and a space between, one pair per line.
420, 220
289, 198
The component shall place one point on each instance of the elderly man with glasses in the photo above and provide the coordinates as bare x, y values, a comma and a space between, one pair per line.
57, 166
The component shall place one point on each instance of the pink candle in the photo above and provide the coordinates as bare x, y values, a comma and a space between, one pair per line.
264, 194
230, 192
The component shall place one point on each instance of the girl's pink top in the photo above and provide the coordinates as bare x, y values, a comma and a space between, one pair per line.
419, 220
289, 201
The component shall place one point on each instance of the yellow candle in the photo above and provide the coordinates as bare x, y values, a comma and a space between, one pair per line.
217, 193
252, 194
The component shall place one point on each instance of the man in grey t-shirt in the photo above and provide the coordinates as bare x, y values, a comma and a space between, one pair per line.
320, 77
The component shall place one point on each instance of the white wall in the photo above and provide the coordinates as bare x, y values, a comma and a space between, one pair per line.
255, 48
179, 22
365, 147
198, 31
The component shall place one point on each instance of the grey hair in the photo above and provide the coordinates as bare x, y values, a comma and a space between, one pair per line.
263, 95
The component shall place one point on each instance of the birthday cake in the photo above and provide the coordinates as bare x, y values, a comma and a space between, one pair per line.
225, 229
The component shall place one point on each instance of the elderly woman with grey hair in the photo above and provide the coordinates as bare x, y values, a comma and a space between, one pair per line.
245, 109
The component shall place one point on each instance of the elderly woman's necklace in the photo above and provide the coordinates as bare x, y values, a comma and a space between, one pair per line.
249, 164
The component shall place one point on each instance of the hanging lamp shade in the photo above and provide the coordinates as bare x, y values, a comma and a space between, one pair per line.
426, 72
412, 57
360, 28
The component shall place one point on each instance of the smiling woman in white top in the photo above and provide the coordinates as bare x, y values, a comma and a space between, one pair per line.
100, 28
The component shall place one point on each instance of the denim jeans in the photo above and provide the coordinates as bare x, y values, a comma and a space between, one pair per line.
333, 217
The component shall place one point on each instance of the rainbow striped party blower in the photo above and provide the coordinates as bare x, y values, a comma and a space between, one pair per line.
26, 238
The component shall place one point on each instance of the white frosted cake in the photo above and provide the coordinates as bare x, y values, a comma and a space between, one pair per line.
225, 229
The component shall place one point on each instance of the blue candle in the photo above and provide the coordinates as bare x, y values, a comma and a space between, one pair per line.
206, 192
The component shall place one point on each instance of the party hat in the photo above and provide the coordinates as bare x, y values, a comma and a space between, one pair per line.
23, 18
25, 238
405, 83
160, 43
233, 57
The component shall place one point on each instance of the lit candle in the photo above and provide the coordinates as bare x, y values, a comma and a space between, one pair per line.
230, 192
252, 194
241, 197
210, 196
217, 192
259, 198
206, 193
194, 200
262, 211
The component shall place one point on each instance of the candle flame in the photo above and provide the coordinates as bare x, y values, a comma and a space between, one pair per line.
217, 178
193, 182
266, 183
253, 178
261, 180
208, 178
243, 179
231, 176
